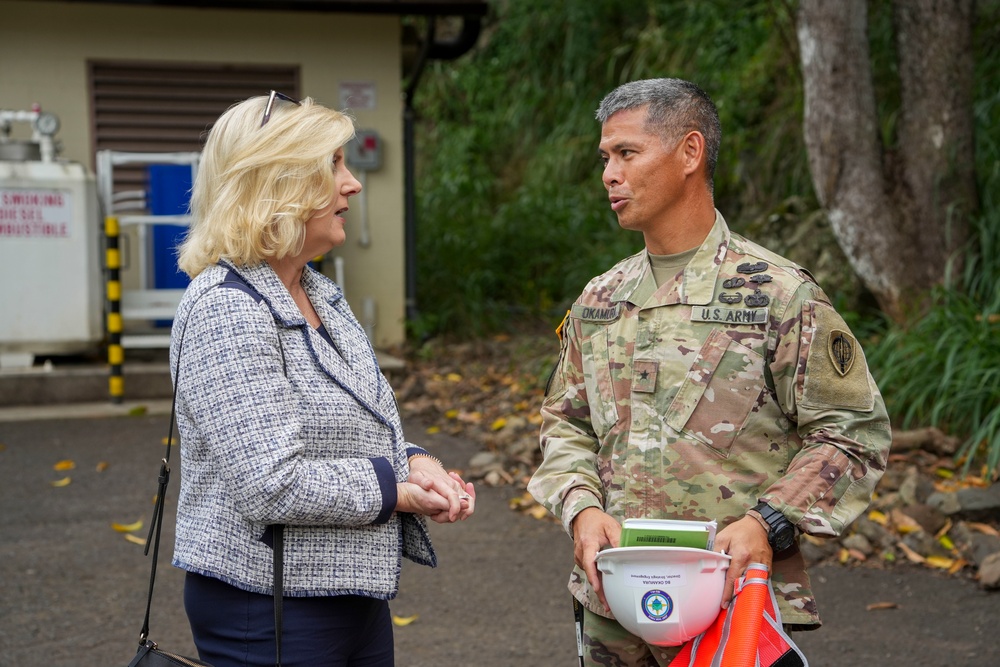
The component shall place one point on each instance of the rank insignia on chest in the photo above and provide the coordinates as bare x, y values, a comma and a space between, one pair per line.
729, 315
841, 349
597, 314
644, 375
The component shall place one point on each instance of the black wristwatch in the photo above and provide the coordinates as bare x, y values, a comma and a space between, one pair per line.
781, 534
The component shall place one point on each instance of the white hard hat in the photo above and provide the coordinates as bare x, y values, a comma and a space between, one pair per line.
665, 595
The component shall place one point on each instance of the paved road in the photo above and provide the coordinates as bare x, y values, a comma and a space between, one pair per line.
73, 590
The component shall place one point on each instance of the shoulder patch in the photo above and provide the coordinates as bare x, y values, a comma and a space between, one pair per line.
835, 374
842, 348
598, 314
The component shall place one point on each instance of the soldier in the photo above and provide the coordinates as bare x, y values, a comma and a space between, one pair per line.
702, 378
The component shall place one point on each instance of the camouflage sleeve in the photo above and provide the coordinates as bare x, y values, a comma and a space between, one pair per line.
824, 386
567, 481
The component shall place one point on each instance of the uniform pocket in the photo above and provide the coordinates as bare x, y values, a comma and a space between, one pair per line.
718, 393
599, 379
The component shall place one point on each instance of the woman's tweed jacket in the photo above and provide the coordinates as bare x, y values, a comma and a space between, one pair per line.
277, 427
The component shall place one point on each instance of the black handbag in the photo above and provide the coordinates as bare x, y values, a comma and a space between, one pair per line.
149, 654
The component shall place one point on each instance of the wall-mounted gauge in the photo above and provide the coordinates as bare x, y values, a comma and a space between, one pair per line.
47, 123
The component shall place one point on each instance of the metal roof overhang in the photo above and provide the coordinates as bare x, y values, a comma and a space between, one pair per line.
411, 7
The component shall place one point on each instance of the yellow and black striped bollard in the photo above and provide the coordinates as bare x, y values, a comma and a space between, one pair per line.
116, 355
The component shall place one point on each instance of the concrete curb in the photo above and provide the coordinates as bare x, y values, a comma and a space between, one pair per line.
81, 390
17, 413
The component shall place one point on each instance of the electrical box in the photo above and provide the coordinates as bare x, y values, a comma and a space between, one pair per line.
364, 151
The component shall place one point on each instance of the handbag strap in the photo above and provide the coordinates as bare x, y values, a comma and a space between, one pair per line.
279, 588
236, 281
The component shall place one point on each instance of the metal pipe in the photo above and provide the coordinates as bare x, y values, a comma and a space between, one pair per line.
409, 180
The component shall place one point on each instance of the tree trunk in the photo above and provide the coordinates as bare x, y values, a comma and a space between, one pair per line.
899, 218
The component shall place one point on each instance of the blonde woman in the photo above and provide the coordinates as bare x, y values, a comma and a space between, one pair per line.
284, 416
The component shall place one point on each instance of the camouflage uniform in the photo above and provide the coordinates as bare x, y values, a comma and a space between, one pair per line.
733, 382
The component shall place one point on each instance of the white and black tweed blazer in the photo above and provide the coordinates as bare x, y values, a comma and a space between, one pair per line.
278, 427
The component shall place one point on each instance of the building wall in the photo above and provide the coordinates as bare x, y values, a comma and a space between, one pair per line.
44, 47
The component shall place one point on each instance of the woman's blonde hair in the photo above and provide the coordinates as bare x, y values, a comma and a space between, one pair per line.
257, 186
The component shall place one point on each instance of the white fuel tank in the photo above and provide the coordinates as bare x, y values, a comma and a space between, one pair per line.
51, 294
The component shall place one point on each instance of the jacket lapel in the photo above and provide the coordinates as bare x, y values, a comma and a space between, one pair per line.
351, 363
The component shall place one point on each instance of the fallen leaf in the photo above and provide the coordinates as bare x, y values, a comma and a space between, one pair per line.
451, 414
453, 377
857, 555
843, 556
137, 411
944, 473
904, 523
498, 423
403, 621
946, 542
135, 539
878, 606
521, 501
878, 517
64, 465
940, 562
62, 482
102, 466
431, 430
127, 527
957, 566
980, 482
538, 512
984, 528
470, 417
910, 554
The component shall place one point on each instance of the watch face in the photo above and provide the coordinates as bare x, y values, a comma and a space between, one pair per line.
782, 538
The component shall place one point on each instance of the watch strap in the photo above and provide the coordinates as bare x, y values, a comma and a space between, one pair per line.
756, 515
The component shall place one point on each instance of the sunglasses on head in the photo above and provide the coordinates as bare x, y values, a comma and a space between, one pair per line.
275, 95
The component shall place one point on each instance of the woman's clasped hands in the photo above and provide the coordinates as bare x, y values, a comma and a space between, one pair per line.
435, 492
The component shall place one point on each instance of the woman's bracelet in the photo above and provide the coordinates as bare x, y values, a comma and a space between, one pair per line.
426, 456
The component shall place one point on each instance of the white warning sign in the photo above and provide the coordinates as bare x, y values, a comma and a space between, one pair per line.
35, 213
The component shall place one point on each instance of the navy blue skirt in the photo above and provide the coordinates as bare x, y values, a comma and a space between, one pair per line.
234, 628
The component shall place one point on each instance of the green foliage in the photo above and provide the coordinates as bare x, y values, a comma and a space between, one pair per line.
513, 218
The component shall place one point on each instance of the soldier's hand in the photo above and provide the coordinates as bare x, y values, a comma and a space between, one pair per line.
594, 530
746, 542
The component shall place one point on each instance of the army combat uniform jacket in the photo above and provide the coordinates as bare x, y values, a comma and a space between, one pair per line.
734, 382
